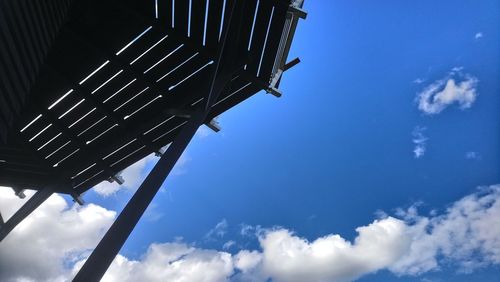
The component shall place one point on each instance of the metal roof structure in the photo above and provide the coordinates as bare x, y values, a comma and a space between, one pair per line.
90, 87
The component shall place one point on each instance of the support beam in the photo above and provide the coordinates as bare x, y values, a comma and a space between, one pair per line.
36, 200
100, 259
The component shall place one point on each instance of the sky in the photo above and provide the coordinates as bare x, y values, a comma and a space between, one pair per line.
381, 162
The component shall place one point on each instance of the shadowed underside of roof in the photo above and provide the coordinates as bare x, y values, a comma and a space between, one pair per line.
120, 80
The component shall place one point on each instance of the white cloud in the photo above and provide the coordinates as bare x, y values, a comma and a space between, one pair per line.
153, 212
420, 141
287, 257
466, 235
53, 235
419, 81
478, 35
218, 231
247, 261
456, 87
203, 132
228, 245
181, 165
247, 230
172, 262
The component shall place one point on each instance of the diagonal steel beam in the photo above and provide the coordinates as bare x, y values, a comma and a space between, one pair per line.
100, 259
34, 202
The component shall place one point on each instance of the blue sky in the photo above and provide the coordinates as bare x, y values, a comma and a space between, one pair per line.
337, 151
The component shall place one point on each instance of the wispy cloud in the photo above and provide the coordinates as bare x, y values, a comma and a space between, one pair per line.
204, 132
464, 235
218, 231
419, 81
419, 140
228, 245
456, 87
153, 213
472, 156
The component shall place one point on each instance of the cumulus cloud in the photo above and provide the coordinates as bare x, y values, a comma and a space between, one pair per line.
466, 235
419, 140
287, 257
456, 87
172, 262
53, 236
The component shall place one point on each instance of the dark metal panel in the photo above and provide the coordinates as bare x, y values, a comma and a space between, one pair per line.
42, 23
214, 23
259, 34
198, 20
13, 69
247, 24
165, 12
16, 33
181, 15
27, 29
271, 48
35, 41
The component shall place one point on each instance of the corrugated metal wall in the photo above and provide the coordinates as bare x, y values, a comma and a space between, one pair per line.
27, 30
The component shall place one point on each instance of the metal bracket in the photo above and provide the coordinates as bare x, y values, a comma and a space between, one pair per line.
274, 91
161, 151
272, 88
214, 125
298, 12
118, 178
19, 193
